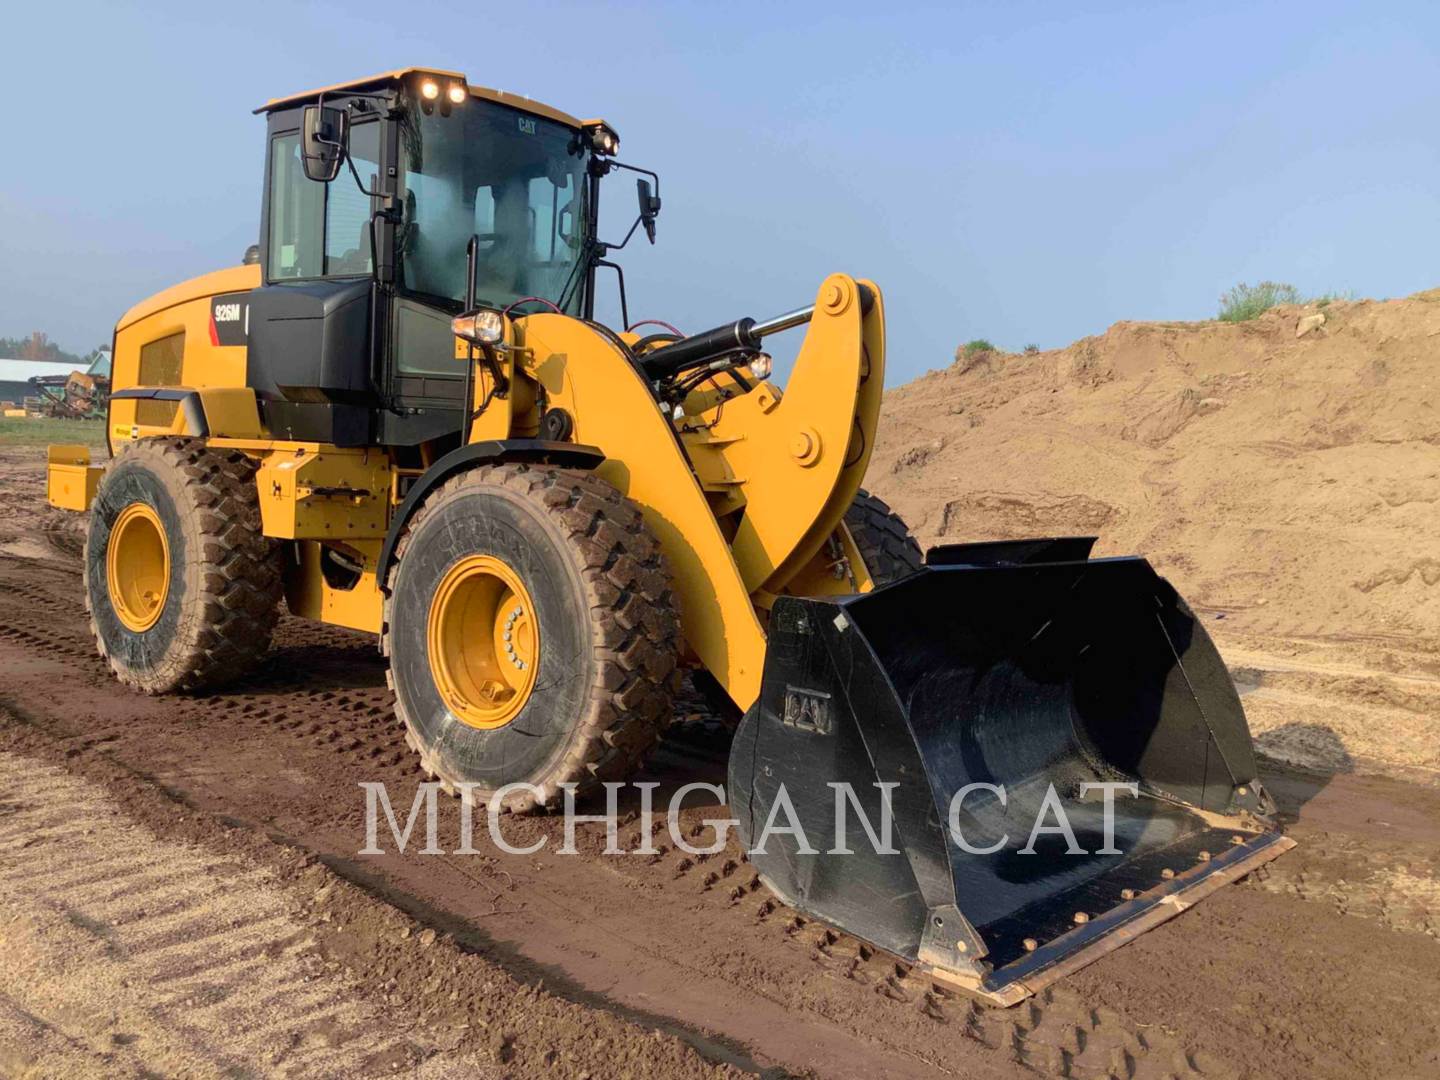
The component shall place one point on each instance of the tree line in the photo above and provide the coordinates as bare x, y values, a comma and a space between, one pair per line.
38, 346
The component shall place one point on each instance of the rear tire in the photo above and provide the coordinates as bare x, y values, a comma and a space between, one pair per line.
597, 619
205, 615
884, 540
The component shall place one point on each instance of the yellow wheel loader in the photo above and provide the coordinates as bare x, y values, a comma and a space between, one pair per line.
401, 415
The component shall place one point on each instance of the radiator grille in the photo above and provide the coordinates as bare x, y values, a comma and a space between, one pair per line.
160, 361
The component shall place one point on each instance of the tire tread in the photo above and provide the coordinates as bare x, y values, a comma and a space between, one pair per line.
632, 604
226, 629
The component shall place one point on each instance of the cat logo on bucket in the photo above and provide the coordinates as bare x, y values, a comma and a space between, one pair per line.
807, 710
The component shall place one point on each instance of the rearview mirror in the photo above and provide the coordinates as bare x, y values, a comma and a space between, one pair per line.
649, 206
324, 135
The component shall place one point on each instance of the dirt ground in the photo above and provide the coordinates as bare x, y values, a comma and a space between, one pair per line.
180, 893
1287, 485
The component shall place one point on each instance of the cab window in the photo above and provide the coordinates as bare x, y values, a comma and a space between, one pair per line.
347, 208
514, 181
296, 208
321, 230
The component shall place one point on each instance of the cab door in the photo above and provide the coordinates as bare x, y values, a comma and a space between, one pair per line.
311, 357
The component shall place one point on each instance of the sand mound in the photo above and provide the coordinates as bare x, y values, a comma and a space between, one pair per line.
1289, 486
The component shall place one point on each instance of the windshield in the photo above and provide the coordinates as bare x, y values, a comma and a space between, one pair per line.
513, 179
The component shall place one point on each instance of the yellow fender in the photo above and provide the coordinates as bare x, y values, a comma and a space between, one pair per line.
584, 373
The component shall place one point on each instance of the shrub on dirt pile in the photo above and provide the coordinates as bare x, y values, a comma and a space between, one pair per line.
1245, 302
974, 348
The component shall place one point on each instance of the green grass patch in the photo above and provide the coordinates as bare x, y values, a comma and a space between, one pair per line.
28, 431
979, 345
1246, 302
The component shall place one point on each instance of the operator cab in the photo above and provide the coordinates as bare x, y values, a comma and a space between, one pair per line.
374, 192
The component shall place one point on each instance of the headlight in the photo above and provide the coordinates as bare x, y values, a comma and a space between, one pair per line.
603, 140
484, 326
430, 90
761, 365
456, 93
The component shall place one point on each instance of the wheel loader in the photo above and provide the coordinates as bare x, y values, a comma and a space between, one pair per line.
400, 415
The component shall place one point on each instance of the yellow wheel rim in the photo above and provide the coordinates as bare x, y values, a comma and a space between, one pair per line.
137, 567
483, 642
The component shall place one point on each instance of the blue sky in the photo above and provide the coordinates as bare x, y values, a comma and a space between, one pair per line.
1024, 172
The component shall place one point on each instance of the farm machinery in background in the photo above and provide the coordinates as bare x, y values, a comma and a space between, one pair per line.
81, 395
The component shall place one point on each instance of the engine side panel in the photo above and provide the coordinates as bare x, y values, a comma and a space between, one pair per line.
173, 340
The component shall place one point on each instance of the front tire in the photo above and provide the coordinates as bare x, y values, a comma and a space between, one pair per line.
532, 634
181, 584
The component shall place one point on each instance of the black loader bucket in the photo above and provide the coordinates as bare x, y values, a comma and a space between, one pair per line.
996, 690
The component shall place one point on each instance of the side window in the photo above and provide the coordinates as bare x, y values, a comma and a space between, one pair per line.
296, 207
347, 208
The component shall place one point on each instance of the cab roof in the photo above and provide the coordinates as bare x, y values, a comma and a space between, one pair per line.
515, 101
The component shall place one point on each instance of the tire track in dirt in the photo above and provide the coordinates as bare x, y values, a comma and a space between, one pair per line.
172, 906
129, 956
1391, 884
1057, 1033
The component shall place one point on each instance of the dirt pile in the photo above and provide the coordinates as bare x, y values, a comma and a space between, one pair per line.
1284, 473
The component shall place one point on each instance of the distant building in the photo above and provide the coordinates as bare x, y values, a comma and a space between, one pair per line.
15, 376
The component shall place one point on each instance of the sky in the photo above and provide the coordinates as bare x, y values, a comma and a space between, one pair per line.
1027, 173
